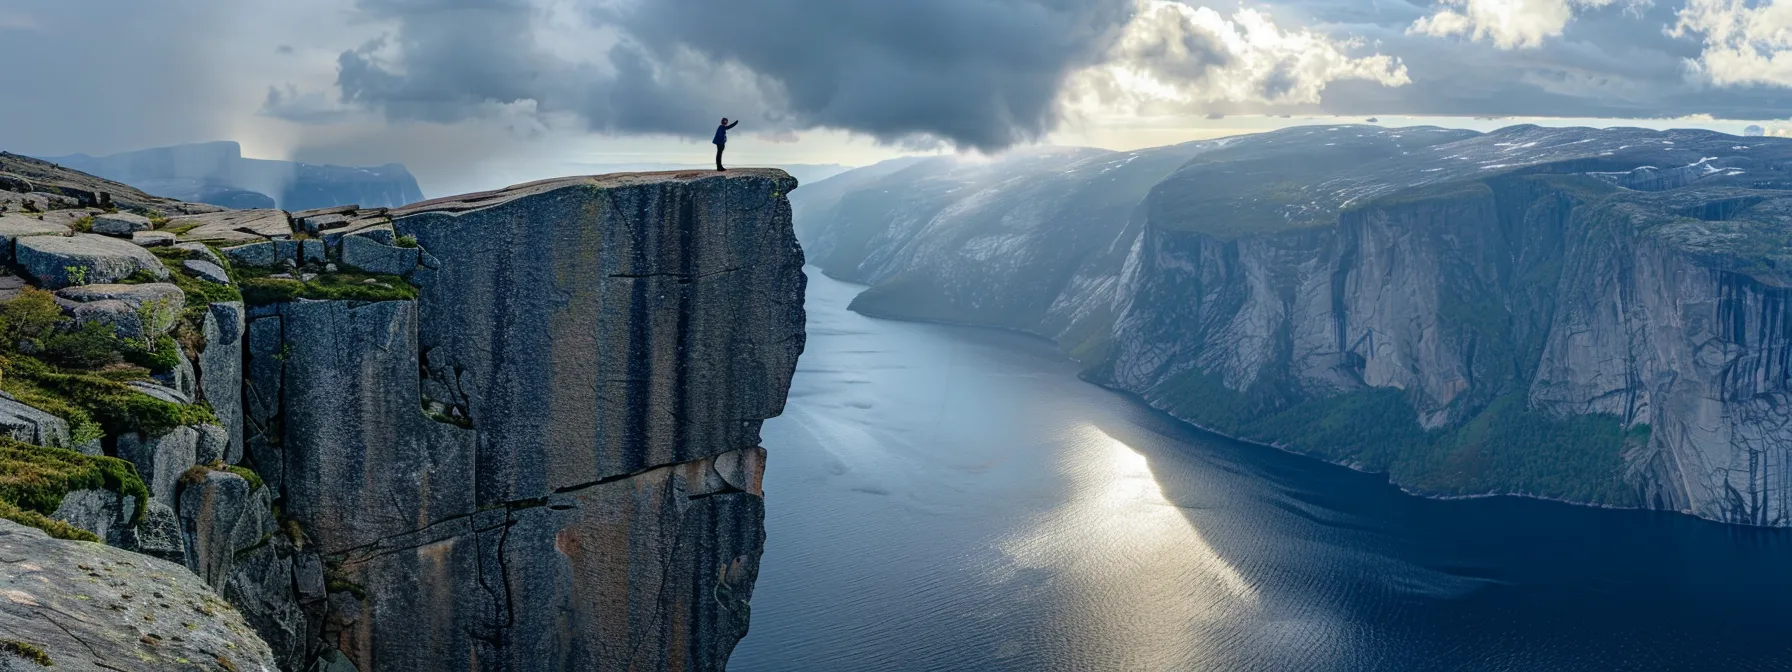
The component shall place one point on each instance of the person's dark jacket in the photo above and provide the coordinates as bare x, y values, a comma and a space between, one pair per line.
722, 133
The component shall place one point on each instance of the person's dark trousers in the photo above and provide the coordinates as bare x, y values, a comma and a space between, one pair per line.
719, 148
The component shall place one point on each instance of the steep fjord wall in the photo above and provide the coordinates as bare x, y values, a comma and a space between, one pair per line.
1545, 334
1589, 315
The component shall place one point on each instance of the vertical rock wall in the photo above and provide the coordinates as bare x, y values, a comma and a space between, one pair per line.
550, 460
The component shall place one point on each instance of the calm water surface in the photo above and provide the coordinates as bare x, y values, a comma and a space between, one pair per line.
955, 499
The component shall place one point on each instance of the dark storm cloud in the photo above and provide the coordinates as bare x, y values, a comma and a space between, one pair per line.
977, 73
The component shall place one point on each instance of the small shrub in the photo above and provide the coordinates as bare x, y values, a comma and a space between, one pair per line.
84, 224
89, 347
162, 358
406, 241
77, 275
29, 316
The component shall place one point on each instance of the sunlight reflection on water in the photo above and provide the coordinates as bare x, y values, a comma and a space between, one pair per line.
1140, 576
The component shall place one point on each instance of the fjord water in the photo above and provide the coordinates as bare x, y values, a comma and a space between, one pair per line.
943, 498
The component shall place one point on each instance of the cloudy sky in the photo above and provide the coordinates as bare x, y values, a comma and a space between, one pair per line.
478, 93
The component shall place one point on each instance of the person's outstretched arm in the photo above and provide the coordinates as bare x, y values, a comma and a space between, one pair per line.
736, 123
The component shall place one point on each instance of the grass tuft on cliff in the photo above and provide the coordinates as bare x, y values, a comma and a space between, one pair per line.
34, 479
196, 475
261, 289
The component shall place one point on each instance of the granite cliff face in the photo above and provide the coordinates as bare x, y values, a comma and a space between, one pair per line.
217, 173
514, 430
1591, 315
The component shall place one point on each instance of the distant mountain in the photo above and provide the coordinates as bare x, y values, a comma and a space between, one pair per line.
217, 173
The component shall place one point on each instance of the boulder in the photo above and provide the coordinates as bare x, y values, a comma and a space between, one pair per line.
381, 233
264, 253
162, 298
181, 377
213, 446
161, 459
201, 249
13, 227
369, 255
167, 394
158, 534
221, 516
118, 315
119, 224
153, 238
103, 512
68, 218
233, 227
262, 586
207, 271
58, 261
88, 606
31, 425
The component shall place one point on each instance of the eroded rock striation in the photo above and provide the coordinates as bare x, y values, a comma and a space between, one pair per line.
515, 430
1590, 315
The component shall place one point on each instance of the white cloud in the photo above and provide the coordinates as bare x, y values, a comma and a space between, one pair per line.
1744, 44
1508, 24
1173, 57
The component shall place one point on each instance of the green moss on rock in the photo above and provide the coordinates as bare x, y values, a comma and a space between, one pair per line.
259, 288
34, 479
27, 651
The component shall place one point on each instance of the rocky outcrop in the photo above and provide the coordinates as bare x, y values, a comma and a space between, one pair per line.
1567, 313
72, 605
514, 430
608, 347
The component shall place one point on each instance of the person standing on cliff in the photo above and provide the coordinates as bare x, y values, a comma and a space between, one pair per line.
722, 140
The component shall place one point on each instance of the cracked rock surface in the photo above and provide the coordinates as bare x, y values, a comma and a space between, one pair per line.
90, 607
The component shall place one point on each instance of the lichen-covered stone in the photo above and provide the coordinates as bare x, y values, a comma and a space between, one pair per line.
207, 271
30, 425
161, 458
13, 227
158, 534
119, 223
202, 250
105, 513
254, 254
91, 607
59, 261
119, 316
370, 255
160, 296
153, 238
233, 227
